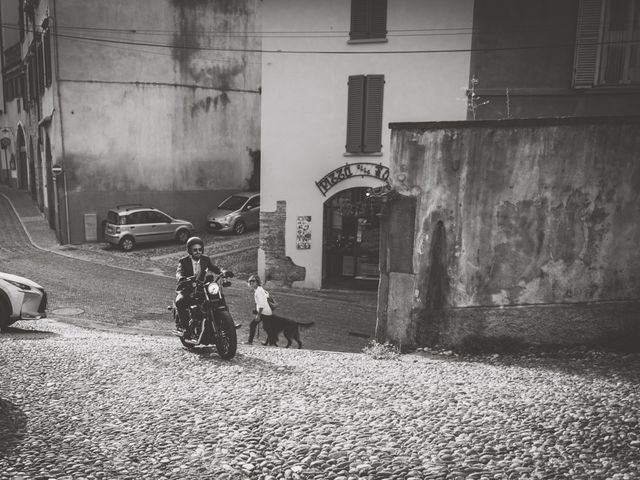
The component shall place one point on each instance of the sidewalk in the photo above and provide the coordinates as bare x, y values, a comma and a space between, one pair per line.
340, 303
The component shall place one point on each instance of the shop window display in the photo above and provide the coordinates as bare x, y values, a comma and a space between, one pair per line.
351, 240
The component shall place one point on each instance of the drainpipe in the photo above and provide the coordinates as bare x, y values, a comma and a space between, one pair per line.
54, 20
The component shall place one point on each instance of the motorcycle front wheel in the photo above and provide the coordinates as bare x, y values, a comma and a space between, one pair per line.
227, 340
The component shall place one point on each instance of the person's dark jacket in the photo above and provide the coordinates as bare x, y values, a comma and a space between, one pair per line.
185, 267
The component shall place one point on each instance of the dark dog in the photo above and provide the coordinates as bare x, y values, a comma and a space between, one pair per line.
274, 325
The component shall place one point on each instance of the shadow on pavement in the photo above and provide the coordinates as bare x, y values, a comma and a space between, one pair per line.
24, 333
589, 364
13, 424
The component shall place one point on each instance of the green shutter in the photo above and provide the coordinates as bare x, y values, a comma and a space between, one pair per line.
355, 111
587, 43
378, 19
372, 136
359, 20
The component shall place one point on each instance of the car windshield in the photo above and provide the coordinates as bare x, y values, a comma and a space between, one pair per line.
233, 203
113, 217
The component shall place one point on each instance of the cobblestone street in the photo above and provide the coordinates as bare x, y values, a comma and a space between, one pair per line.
77, 403
96, 396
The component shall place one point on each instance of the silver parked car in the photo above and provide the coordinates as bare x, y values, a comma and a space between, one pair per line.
127, 225
20, 299
236, 213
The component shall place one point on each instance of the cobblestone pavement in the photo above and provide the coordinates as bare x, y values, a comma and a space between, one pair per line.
77, 403
130, 291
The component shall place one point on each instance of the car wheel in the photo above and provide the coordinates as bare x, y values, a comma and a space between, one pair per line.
238, 227
182, 236
127, 244
4, 317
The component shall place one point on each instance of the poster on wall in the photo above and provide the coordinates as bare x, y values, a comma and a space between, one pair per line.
303, 235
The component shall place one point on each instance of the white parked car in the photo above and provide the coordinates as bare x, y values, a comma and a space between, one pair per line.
20, 299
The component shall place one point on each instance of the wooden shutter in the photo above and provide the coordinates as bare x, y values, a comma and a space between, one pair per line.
372, 136
355, 112
378, 19
47, 58
587, 43
359, 20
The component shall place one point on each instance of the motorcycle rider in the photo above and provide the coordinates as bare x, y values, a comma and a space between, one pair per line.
195, 264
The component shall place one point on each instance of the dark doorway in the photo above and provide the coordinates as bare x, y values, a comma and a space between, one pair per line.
351, 241
32, 171
23, 172
50, 186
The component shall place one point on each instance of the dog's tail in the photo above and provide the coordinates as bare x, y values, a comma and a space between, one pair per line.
305, 324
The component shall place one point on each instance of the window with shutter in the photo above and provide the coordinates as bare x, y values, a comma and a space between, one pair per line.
368, 19
46, 45
607, 43
364, 114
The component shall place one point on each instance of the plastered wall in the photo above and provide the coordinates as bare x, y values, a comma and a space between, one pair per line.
525, 214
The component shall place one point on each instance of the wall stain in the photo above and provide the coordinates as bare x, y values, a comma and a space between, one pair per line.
206, 103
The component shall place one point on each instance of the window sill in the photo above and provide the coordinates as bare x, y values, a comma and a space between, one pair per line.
372, 154
367, 40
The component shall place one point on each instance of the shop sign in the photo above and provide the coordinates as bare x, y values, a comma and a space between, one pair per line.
348, 170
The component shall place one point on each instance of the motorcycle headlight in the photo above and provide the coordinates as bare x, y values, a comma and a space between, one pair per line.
213, 289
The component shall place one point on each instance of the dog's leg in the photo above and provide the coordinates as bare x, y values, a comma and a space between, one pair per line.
288, 337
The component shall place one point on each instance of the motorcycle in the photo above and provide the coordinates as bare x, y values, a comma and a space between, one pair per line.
210, 322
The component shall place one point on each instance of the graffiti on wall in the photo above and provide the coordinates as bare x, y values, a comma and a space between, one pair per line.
303, 233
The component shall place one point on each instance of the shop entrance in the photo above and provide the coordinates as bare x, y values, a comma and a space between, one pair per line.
351, 241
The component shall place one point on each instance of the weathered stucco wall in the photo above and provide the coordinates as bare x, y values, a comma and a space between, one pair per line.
162, 103
514, 214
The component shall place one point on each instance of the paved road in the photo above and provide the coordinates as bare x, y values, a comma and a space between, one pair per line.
125, 297
77, 403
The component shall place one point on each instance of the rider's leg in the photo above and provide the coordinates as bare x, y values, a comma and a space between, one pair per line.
182, 307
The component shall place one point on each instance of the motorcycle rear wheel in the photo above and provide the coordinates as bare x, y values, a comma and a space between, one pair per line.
227, 341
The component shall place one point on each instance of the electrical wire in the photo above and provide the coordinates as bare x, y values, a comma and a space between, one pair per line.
325, 52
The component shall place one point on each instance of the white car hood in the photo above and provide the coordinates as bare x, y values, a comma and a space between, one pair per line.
16, 278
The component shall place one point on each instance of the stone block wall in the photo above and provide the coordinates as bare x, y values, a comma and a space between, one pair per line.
279, 268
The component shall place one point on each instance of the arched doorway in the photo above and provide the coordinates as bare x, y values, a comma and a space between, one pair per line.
351, 240
23, 169
32, 171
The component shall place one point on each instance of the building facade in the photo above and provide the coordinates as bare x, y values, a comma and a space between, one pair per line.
556, 59
335, 74
152, 102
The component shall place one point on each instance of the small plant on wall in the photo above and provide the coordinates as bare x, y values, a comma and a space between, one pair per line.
474, 101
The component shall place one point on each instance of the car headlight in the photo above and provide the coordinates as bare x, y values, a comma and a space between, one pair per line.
213, 289
21, 286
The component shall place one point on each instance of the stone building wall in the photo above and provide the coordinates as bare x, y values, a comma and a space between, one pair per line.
279, 269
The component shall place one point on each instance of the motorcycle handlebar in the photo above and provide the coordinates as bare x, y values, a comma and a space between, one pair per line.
223, 274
